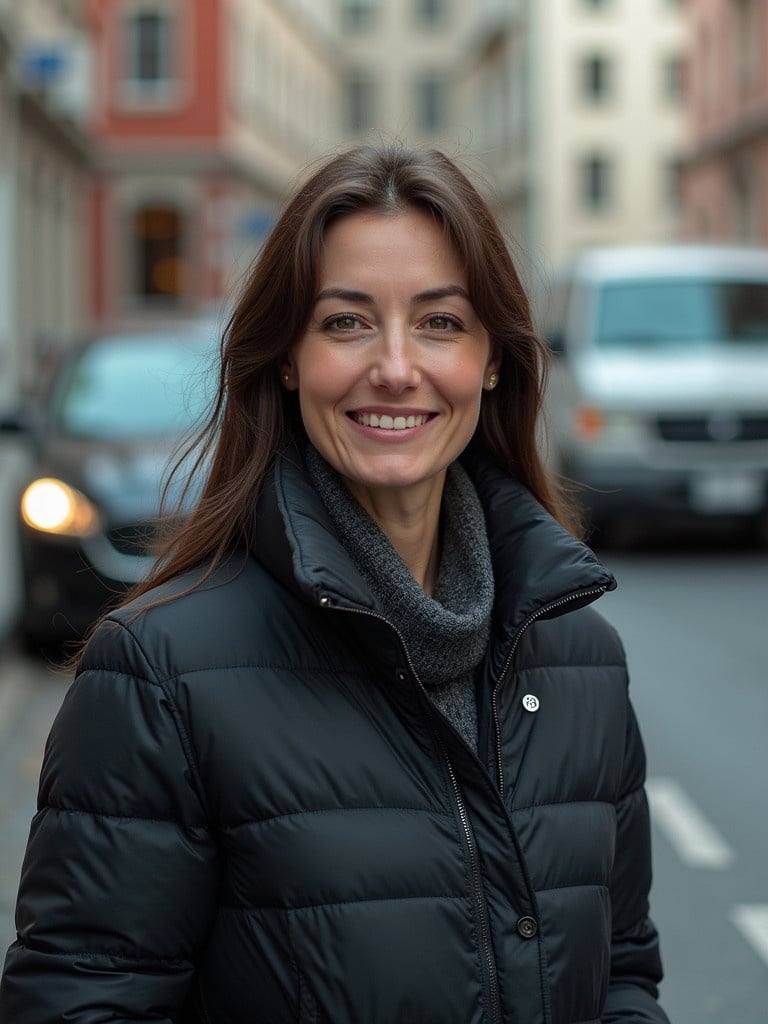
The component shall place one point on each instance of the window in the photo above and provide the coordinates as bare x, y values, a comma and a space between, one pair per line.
430, 104
596, 79
672, 79
149, 48
596, 183
694, 312
157, 247
671, 184
360, 92
430, 13
358, 15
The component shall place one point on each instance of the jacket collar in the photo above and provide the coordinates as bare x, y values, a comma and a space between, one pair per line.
539, 568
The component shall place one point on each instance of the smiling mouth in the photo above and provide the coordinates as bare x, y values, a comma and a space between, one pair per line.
384, 422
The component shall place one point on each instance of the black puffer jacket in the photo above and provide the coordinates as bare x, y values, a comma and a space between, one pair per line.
250, 811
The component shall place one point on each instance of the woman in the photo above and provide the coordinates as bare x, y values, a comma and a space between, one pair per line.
358, 751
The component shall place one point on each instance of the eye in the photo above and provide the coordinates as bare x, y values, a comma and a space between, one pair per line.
343, 322
441, 322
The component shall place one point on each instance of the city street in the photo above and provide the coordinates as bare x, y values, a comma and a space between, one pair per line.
694, 624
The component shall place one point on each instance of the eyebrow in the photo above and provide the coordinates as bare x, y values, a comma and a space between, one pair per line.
430, 295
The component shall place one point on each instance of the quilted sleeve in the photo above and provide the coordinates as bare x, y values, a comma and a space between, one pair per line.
635, 960
119, 882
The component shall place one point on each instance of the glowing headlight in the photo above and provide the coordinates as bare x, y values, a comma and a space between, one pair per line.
51, 506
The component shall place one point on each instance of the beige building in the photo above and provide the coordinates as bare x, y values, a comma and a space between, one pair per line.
401, 70
44, 158
579, 114
572, 109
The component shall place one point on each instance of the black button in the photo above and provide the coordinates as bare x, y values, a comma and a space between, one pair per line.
527, 927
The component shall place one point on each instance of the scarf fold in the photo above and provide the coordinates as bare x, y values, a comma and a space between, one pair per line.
446, 634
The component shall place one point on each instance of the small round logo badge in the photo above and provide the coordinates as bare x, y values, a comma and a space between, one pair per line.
531, 702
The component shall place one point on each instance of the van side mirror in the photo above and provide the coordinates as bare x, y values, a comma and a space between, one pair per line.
556, 342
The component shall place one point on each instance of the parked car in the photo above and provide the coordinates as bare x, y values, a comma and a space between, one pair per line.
658, 396
102, 435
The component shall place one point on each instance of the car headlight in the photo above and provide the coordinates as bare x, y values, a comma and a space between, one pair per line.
51, 506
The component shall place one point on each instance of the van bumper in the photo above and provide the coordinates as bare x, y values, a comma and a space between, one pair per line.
704, 492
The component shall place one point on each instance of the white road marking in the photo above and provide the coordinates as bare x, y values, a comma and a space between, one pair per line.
695, 840
752, 922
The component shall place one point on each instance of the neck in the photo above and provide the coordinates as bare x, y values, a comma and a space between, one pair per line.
410, 519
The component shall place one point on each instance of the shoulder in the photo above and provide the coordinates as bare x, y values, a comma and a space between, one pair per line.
579, 638
194, 621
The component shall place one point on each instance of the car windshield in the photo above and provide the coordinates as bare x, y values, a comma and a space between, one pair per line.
135, 386
682, 312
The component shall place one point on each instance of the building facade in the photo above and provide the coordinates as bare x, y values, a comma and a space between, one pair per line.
206, 110
401, 59
725, 173
571, 110
44, 167
577, 109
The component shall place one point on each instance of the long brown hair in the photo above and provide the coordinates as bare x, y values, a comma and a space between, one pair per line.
254, 418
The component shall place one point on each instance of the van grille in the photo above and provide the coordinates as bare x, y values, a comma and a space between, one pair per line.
718, 427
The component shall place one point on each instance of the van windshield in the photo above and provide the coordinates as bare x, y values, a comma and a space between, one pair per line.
682, 312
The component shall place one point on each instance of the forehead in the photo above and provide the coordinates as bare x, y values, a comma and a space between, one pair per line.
407, 244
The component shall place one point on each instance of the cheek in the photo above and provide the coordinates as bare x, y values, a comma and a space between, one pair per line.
321, 383
464, 386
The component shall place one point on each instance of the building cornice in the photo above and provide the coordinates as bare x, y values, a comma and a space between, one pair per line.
191, 157
64, 133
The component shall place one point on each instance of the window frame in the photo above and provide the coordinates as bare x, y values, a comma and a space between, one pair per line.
596, 166
134, 92
430, 103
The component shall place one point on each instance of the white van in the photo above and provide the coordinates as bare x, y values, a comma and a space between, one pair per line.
658, 393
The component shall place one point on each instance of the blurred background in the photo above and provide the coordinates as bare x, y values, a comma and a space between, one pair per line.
145, 147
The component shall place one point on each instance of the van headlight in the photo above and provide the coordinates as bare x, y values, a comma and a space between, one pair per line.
51, 506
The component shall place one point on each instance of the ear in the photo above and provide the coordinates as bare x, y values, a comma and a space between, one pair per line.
492, 370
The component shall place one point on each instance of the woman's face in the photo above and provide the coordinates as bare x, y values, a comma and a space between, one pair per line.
391, 367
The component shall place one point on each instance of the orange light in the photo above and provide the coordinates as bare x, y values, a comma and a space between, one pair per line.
589, 421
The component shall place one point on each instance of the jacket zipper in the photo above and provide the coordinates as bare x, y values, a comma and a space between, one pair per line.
481, 905
579, 595
490, 977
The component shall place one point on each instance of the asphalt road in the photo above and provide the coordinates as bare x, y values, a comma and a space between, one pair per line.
695, 625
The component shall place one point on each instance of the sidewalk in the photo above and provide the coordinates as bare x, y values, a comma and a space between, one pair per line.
13, 460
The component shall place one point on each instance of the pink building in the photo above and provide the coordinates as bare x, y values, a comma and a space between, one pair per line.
724, 179
202, 114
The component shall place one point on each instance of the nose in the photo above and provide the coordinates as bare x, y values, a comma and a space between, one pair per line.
394, 363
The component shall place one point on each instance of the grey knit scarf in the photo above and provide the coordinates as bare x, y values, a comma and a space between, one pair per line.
447, 634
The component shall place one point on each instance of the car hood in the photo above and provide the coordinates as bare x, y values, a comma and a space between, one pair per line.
726, 378
124, 480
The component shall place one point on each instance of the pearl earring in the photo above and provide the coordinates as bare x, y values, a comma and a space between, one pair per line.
286, 378
493, 380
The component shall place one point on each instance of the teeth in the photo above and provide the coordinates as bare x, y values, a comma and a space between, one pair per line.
389, 422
